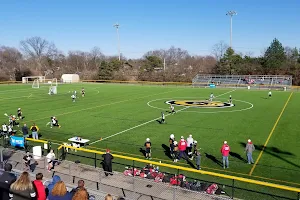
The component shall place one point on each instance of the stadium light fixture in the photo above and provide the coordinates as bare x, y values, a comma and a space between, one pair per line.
117, 25
231, 14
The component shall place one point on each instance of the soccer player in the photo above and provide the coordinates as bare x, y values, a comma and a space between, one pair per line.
54, 122
75, 93
190, 142
4, 128
270, 94
230, 99
211, 97
162, 118
19, 114
73, 97
171, 141
172, 109
176, 153
148, 148
82, 92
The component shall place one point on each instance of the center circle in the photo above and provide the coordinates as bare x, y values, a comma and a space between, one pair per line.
200, 108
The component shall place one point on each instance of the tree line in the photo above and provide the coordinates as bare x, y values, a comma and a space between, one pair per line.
37, 56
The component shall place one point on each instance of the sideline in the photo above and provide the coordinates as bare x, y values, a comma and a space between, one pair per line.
270, 135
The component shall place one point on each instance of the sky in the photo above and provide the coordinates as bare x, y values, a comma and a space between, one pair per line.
193, 25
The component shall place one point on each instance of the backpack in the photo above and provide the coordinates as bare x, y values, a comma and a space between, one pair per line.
212, 189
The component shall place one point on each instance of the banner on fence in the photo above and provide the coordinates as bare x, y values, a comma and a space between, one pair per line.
17, 141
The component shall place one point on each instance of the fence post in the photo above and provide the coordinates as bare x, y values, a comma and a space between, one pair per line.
298, 196
174, 192
232, 195
95, 161
133, 175
1, 157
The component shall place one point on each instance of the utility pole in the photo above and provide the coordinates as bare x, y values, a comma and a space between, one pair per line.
117, 25
231, 14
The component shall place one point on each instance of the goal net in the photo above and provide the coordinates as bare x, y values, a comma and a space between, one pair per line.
29, 79
53, 87
36, 83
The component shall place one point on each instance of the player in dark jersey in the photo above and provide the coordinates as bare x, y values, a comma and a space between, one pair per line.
82, 92
171, 141
19, 114
148, 148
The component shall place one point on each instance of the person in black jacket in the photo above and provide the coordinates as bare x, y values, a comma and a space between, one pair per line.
107, 162
6, 179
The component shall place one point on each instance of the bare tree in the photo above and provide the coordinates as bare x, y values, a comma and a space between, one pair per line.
37, 47
219, 50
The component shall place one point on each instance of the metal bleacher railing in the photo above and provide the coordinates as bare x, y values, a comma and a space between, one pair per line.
87, 166
255, 81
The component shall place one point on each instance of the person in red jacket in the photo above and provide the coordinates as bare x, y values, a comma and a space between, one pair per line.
182, 145
39, 187
225, 153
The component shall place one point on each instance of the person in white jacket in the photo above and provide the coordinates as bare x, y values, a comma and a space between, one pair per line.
190, 142
50, 160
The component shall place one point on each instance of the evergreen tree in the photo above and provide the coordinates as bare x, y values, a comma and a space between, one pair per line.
274, 57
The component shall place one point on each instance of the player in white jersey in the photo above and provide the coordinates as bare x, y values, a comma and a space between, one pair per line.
172, 109
73, 97
211, 97
230, 99
162, 118
270, 94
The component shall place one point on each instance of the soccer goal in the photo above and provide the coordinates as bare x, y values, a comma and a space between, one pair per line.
53, 87
36, 83
29, 79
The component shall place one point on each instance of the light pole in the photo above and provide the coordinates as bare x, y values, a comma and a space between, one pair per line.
231, 14
117, 25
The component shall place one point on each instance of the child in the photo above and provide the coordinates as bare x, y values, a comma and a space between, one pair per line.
148, 149
176, 153
171, 141
73, 97
198, 159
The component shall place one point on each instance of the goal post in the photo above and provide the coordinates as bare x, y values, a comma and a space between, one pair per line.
53, 87
28, 79
36, 83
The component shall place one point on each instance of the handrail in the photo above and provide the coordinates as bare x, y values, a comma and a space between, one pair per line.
246, 180
34, 140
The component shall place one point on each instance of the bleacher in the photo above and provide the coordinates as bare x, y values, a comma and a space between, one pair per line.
255, 81
98, 185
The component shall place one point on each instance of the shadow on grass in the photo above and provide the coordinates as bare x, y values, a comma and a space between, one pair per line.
214, 159
238, 156
167, 151
275, 152
143, 152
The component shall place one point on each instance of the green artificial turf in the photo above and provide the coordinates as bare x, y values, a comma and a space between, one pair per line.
125, 115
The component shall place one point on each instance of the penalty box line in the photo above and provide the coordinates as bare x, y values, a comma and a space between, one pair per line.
134, 127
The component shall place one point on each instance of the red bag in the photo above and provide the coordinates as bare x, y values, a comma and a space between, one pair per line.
174, 181
212, 189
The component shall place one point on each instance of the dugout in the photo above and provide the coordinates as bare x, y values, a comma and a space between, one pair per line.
70, 78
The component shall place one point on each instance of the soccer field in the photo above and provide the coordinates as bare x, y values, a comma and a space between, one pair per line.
125, 115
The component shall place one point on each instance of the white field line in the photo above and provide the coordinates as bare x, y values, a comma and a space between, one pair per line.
134, 127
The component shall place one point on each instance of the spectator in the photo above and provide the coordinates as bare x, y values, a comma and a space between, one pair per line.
249, 150
55, 179
225, 153
23, 188
198, 159
34, 130
182, 148
120, 198
108, 197
25, 131
50, 160
80, 186
107, 163
6, 179
59, 192
81, 194
190, 142
39, 187
29, 162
